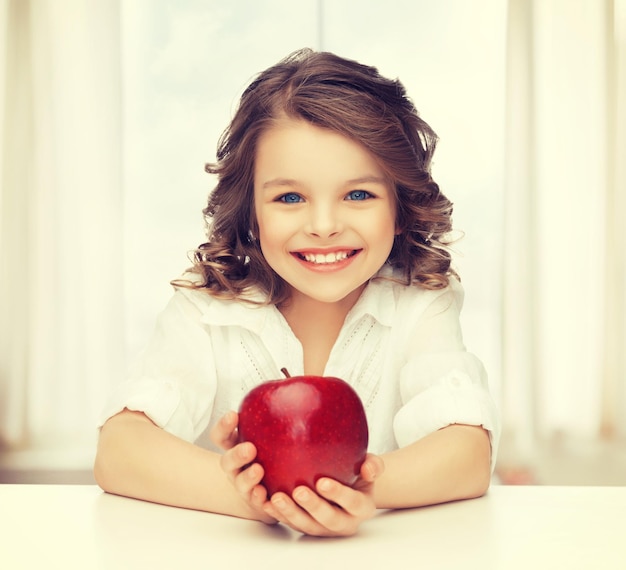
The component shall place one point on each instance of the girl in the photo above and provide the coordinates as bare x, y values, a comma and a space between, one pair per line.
326, 255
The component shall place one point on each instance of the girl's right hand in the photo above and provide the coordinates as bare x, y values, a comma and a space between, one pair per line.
236, 462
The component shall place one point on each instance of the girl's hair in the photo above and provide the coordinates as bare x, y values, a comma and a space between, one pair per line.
357, 102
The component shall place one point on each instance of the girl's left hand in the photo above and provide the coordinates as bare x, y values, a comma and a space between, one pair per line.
332, 509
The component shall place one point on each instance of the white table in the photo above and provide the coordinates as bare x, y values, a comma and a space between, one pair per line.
80, 527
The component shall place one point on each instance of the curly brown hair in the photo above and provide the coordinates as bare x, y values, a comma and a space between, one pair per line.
356, 101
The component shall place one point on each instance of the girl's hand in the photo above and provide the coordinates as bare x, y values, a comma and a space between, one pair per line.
333, 509
236, 462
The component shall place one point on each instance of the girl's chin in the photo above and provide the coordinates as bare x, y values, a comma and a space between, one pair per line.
327, 296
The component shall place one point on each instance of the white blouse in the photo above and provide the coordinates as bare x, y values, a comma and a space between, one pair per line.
400, 348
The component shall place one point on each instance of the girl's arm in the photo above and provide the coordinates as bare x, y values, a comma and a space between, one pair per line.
449, 464
135, 458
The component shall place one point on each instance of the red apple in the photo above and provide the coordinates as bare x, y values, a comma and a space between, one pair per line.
304, 428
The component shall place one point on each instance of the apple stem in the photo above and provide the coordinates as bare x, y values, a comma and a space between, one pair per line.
285, 372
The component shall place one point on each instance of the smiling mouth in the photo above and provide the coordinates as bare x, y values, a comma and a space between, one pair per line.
326, 258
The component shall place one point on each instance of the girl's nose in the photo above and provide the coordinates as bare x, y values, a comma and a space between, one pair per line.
323, 221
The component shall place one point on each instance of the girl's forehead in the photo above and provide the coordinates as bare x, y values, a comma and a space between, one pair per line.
292, 142
296, 133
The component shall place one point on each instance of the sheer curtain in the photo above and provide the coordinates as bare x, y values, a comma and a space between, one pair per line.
109, 110
61, 330
564, 312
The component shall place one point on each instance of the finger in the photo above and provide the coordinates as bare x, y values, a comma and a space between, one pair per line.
235, 459
328, 519
224, 433
258, 496
355, 503
273, 507
247, 479
372, 468
273, 513
288, 512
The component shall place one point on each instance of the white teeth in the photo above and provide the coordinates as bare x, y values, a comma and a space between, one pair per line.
325, 258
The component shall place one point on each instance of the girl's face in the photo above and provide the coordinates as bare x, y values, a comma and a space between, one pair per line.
325, 210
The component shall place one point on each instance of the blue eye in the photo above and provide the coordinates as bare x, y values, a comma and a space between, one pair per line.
290, 198
358, 195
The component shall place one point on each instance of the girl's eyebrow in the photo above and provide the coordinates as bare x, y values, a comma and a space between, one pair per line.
280, 182
367, 180
370, 179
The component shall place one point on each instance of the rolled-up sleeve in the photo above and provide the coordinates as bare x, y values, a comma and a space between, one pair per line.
173, 381
441, 383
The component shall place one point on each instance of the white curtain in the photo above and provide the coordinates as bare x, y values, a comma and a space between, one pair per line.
564, 242
61, 335
109, 109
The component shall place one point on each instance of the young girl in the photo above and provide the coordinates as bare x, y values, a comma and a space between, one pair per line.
326, 255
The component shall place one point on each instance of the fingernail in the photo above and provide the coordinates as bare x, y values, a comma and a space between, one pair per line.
301, 494
258, 494
245, 450
325, 485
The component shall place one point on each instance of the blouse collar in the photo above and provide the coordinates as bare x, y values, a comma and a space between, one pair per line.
378, 300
